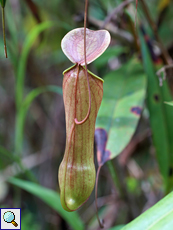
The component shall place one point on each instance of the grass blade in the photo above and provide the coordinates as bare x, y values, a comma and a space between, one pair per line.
52, 199
159, 114
159, 217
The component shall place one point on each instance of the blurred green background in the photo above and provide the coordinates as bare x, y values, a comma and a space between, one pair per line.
32, 118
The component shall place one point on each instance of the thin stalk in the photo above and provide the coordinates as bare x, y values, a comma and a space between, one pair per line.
3, 26
118, 177
86, 70
115, 11
19, 127
136, 12
115, 177
117, 182
96, 188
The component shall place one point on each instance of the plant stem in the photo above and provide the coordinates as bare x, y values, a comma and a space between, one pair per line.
115, 177
118, 177
116, 11
96, 188
19, 126
3, 26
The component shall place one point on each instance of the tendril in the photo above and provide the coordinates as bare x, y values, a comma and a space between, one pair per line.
86, 70
96, 187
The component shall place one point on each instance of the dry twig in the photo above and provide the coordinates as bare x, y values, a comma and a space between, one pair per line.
166, 56
117, 10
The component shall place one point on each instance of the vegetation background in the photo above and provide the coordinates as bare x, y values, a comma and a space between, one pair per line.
139, 122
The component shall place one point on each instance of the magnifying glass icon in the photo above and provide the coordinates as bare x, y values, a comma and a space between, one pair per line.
9, 217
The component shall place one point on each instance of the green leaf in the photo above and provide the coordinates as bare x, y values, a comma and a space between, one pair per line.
160, 115
8, 154
3, 2
20, 119
165, 28
168, 111
110, 53
36, 92
14, 158
52, 199
28, 221
159, 217
169, 103
24, 55
21, 113
123, 98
